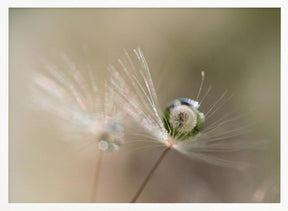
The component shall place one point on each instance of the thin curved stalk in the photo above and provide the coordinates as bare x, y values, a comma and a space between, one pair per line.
148, 177
96, 178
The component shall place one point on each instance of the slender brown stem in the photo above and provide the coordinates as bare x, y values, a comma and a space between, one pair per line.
144, 183
96, 177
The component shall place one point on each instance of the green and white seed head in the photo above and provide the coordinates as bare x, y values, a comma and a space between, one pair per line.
182, 118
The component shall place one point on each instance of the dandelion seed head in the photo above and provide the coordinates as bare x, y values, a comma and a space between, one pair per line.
183, 119
181, 125
72, 95
113, 134
110, 141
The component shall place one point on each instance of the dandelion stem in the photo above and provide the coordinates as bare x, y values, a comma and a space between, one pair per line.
96, 177
148, 177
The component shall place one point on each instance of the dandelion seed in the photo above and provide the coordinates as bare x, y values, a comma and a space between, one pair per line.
181, 126
76, 99
182, 119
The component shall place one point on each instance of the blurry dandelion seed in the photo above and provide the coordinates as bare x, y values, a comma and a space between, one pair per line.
73, 96
181, 126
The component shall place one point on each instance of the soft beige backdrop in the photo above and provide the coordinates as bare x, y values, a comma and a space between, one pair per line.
238, 48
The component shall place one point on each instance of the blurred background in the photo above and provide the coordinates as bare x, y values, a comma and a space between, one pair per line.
239, 49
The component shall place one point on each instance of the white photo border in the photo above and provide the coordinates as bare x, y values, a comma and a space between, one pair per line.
4, 13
